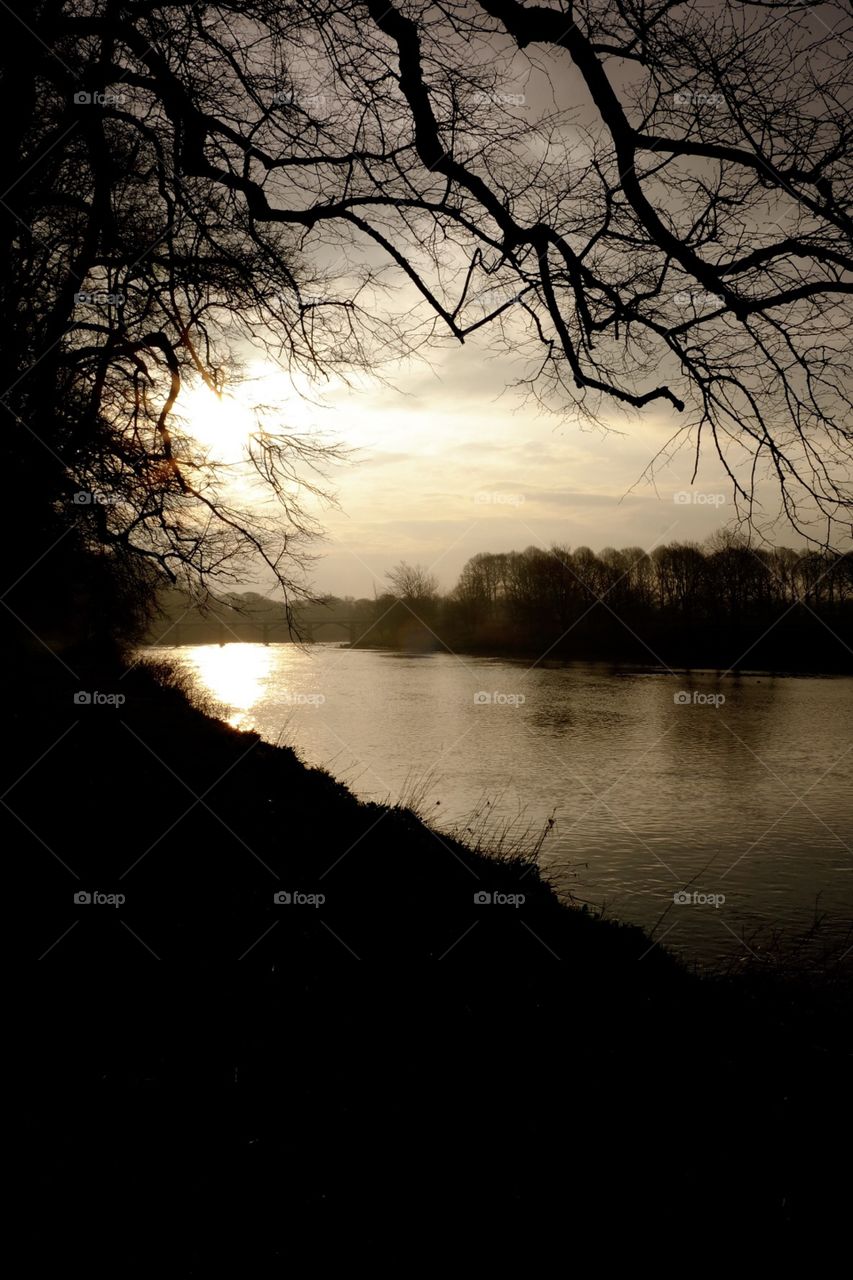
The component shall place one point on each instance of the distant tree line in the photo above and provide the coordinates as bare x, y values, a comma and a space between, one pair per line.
722, 604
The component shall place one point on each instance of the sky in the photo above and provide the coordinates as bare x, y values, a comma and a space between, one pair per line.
452, 460
449, 467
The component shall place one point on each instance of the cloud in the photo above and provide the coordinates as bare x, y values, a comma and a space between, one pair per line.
426, 451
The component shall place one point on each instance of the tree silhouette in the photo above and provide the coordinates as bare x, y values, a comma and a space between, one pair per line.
725, 604
182, 179
413, 583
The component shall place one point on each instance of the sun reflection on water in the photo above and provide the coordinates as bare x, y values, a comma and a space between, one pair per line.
236, 675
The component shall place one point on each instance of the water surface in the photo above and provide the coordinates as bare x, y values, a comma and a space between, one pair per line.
655, 784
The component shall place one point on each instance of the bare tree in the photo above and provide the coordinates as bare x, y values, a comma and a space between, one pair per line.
413, 583
252, 171
706, 234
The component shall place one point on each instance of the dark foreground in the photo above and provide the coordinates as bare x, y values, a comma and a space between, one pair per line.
212, 1081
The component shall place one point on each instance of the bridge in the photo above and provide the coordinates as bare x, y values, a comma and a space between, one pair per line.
356, 628
245, 631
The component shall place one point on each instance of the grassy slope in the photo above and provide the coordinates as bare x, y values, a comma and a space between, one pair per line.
259, 1086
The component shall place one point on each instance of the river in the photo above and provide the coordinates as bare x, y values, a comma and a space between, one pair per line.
734, 793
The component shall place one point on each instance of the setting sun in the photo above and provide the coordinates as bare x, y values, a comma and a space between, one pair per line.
222, 424
265, 398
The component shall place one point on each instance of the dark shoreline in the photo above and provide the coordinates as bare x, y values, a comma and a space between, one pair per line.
617, 667
216, 1046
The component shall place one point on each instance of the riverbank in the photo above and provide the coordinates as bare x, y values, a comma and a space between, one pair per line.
788, 664
291, 1065
198, 827
799, 663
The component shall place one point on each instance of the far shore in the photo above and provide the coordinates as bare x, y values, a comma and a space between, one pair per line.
625, 667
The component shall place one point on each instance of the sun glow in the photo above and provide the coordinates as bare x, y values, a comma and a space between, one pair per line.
221, 424
267, 399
